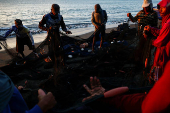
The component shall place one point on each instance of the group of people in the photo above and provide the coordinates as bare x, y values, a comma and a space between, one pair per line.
11, 100
151, 36
24, 37
147, 16
51, 23
157, 100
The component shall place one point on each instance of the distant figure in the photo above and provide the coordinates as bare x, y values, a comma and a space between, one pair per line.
162, 42
98, 19
23, 37
53, 21
147, 16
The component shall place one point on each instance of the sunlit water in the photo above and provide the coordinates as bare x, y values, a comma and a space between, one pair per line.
76, 13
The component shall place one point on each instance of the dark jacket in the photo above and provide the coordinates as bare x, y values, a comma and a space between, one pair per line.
52, 20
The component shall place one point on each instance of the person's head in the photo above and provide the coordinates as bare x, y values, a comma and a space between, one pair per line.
147, 5
164, 7
55, 9
97, 8
18, 24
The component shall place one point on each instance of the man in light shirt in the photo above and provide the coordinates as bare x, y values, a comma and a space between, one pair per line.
23, 37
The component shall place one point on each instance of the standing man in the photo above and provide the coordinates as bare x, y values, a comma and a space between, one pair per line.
23, 37
98, 19
162, 42
53, 21
147, 16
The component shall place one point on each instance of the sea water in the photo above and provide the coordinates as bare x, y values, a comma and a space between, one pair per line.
76, 13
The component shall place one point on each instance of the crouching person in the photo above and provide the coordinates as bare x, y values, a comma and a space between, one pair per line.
23, 37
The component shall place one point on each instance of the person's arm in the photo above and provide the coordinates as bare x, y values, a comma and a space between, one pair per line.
97, 89
46, 102
152, 27
155, 31
152, 30
18, 105
41, 24
133, 19
158, 99
154, 19
93, 21
105, 17
128, 103
63, 26
115, 92
35, 109
9, 31
32, 41
31, 37
115, 97
163, 37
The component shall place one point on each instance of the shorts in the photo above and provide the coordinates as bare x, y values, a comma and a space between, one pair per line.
20, 42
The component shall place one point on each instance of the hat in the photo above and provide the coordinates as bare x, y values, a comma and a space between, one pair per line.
146, 3
164, 3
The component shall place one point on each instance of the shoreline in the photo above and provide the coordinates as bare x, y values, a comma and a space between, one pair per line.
81, 32
38, 38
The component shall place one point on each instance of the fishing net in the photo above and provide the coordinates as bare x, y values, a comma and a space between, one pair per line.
113, 65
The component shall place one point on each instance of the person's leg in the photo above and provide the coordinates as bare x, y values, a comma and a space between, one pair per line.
102, 35
21, 52
93, 43
20, 46
96, 34
51, 52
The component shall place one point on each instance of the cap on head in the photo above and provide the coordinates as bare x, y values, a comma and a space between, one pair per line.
146, 3
97, 8
55, 7
164, 3
18, 21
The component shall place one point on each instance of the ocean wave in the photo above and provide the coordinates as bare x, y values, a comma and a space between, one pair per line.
35, 30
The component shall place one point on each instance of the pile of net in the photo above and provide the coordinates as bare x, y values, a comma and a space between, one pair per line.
113, 65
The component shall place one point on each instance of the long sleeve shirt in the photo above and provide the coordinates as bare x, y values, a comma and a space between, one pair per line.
20, 33
162, 54
128, 103
145, 19
18, 105
163, 35
158, 99
49, 20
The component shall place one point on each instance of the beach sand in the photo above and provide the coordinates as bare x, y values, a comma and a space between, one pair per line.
38, 38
